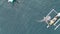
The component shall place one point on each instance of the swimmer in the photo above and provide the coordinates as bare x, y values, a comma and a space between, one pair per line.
46, 19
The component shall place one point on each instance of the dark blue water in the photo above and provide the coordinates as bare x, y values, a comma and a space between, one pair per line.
22, 17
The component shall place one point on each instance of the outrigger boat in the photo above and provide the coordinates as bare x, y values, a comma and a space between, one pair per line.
52, 21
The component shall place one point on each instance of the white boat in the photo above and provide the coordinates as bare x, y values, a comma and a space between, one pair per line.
10, 0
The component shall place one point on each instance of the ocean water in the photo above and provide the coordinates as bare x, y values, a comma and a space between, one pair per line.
22, 17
